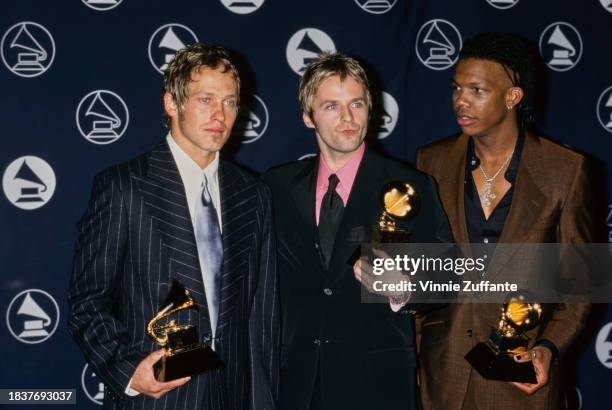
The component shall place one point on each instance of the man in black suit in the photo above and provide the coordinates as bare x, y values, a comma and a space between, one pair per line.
336, 352
178, 212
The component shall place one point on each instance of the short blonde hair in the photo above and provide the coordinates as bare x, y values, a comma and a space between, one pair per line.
189, 60
328, 65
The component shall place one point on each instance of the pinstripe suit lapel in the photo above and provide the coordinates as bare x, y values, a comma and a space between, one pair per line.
166, 204
238, 204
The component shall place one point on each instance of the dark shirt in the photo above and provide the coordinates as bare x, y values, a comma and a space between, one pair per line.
480, 229
488, 231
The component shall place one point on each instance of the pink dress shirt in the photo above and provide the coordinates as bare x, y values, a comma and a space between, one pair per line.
346, 175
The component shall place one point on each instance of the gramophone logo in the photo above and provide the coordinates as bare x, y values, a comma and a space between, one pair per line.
385, 118
607, 4
92, 385
603, 345
376, 6
306, 156
252, 121
604, 109
166, 41
502, 4
305, 45
438, 44
27, 49
102, 5
32, 316
561, 46
102, 117
28, 182
242, 6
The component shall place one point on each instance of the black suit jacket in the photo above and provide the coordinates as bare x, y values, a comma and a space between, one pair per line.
134, 238
364, 353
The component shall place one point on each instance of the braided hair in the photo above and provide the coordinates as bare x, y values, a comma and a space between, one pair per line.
513, 54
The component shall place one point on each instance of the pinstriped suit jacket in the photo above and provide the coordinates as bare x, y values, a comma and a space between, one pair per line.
134, 238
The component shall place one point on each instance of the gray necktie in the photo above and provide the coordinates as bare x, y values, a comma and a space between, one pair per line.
210, 251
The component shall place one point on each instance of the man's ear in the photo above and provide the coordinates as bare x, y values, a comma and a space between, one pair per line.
514, 96
170, 105
307, 120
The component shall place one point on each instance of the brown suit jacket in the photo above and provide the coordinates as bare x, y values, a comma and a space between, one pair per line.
551, 203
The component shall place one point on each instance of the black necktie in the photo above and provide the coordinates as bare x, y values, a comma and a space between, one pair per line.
329, 218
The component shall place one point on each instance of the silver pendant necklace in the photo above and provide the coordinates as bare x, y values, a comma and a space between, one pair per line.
487, 194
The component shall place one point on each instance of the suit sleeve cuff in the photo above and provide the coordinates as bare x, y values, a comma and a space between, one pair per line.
550, 346
131, 392
398, 302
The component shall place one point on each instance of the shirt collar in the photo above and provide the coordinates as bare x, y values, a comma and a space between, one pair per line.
187, 166
473, 161
346, 175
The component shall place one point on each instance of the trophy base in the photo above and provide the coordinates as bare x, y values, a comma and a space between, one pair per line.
499, 366
187, 363
388, 236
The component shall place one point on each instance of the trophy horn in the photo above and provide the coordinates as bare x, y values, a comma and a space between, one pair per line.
399, 201
179, 298
520, 313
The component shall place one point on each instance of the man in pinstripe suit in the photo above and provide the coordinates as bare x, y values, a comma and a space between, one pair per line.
144, 227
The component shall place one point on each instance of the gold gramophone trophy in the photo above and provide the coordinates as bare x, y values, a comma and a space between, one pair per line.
185, 355
400, 201
494, 360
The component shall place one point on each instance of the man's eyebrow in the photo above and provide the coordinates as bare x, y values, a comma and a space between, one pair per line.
328, 101
473, 82
208, 93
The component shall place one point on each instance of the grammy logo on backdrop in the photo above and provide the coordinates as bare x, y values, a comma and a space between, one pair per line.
102, 117
442, 47
563, 50
304, 46
252, 121
242, 6
560, 46
106, 122
438, 43
310, 50
171, 42
166, 41
30, 193
31, 54
34, 327
27, 49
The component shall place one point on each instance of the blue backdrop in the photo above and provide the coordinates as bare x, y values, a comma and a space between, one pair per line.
81, 90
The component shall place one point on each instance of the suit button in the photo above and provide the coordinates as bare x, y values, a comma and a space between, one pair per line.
469, 332
328, 291
317, 342
316, 245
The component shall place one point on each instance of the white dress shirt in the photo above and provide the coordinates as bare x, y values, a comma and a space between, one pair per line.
193, 177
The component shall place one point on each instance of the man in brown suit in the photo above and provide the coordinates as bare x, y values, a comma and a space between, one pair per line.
500, 183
